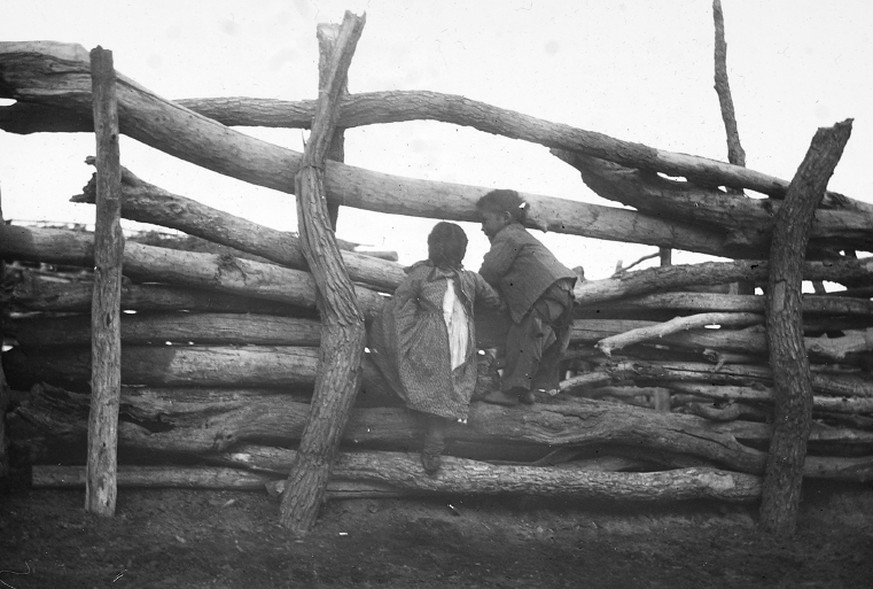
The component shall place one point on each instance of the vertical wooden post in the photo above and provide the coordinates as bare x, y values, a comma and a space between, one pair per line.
327, 34
343, 334
100, 482
792, 389
4, 390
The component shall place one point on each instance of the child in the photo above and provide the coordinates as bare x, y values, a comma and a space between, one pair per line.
539, 293
424, 339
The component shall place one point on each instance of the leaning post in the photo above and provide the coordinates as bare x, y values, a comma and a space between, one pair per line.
4, 390
100, 480
792, 388
343, 334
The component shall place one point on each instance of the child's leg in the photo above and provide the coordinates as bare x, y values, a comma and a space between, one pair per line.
548, 376
434, 442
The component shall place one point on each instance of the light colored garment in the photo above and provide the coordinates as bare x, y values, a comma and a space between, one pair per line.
456, 324
411, 339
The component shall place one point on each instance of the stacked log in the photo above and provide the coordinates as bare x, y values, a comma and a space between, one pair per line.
667, 375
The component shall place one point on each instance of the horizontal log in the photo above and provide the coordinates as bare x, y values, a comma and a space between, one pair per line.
38, 109
186, 420
158, 328
854, 383
33, 291
846, 271
145, 263
764, 395
458, 476
52, 74
700, 302
748, 221
148, 203
660, 330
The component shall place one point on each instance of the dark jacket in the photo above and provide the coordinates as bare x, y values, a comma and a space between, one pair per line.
521, 268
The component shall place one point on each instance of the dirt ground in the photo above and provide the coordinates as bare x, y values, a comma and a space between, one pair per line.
187, 538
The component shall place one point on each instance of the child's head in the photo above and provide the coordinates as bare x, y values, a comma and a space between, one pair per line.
499, 208
446, 245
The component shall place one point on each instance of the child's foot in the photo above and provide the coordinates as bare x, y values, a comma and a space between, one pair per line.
500, 398
527, 397
431, 462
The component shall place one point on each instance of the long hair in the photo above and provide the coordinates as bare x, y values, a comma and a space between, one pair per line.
504, 200
446, 245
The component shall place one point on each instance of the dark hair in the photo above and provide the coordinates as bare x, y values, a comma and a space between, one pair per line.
504, 201
446, 245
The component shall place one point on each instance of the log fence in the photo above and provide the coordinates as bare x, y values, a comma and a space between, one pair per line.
668, 392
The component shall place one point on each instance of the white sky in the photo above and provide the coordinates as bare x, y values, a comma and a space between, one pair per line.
636, 70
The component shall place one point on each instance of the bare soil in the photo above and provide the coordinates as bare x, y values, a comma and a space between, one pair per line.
190, 538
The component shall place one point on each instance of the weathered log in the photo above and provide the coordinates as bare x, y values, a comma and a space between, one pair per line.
780, 501
148, 203
4, 389
835, 383
668, 278
343, 334
188, 420
764, 395
35, 292
100, 484
145, 263
616, 342
748, 222
700, 302
44, 78
49, 73
158, 328
393, 474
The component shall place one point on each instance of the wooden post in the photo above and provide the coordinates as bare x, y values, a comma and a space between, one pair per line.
327, 34
4, 390
101, 486
792, 390
343, 334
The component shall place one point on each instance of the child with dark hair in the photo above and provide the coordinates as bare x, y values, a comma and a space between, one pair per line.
537, 289
424, 339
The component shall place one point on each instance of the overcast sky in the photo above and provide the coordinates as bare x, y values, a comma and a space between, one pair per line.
636, 70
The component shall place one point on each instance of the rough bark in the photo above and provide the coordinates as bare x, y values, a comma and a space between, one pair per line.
736, 155
44, 77
392, 474
764, 395
148, 203
617, 342
4, 389
343, 333
100, 484
55, 294
145, 263
180, 328
676, 277
204, 422
48, 73
831, 306
788, 360
746, 222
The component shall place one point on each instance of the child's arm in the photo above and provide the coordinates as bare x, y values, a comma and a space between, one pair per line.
498, 260
486, 295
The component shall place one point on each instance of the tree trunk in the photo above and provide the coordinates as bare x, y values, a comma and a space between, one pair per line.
100, 484
146, 263
45, 77
48, 73
343, 333
788, 360
400, 474
57, 294
180, 328
148, 203
747, 223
